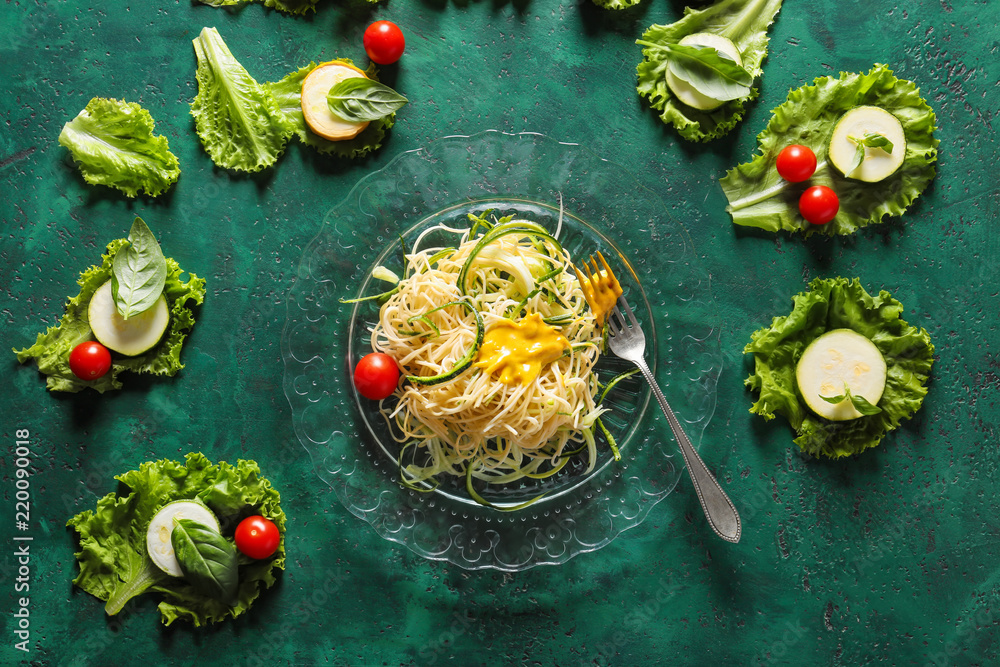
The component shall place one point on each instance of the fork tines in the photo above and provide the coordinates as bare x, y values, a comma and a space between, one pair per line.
619, 324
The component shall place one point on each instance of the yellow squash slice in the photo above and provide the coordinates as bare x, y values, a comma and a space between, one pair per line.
315, 109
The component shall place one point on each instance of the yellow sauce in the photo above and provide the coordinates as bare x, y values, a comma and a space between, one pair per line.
600, 288
519, 350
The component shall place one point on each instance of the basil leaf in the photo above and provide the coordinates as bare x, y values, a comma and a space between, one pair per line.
139, 272
860, 403
859, 157
207, 559
871, 140
876, 140
835, 399
359, 100
711, 73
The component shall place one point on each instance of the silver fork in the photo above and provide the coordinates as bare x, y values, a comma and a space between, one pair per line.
628, 342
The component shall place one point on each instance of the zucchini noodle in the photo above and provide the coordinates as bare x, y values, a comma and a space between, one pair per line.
453, 417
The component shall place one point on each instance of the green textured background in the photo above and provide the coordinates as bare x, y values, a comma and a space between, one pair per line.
889, 558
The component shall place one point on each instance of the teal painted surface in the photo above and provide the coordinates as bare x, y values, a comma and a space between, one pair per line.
889, 558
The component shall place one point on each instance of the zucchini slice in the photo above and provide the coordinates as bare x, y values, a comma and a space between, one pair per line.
687, 93
130, 337
158, 545
840, 358
878, 163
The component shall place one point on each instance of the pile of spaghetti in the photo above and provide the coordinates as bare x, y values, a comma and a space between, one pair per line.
454, 416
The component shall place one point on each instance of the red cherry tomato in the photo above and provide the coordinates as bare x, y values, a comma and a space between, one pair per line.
376, 376
796, 163
257, 537
819, 204
384, 42
90, 360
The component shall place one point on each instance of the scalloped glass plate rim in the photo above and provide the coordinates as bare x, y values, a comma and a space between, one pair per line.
477, 540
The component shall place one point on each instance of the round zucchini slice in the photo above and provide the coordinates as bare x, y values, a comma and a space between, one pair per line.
878, 163
315, 109
687, 93
158, 544
130, 337
840, 359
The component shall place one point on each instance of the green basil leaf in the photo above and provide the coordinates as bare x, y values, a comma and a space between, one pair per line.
862, 405
859, 156
870, 140
835, 399
711, 73
876, 140
207, 559
359, 100
139, 272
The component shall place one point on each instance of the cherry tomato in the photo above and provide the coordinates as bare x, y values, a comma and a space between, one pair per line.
257, 537
376, 376
796, 163
90, 360
819, 204
384, 42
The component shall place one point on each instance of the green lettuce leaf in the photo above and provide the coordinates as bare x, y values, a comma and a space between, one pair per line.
745, 22
237, 119
298, 7
758, 197
839, 303
288, 93
114, 565
292, 6
112, 143
615, 4
52, 348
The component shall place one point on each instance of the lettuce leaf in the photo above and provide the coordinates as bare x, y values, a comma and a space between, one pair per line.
745, 22
758, 197
52, 348
839, 303
615, 4
237, 119
114, 565
112, 143
288, 93
298, 7
292, 6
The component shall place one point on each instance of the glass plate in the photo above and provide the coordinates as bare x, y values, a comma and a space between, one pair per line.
604, 209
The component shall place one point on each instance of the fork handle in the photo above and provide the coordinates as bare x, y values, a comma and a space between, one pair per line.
719, 509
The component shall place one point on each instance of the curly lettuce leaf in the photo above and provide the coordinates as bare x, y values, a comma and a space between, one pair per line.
839, 303
288, 93
758, 197
297, 7
52, 348
745, 23
113, 144
114, 564
237, 118
615, 4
